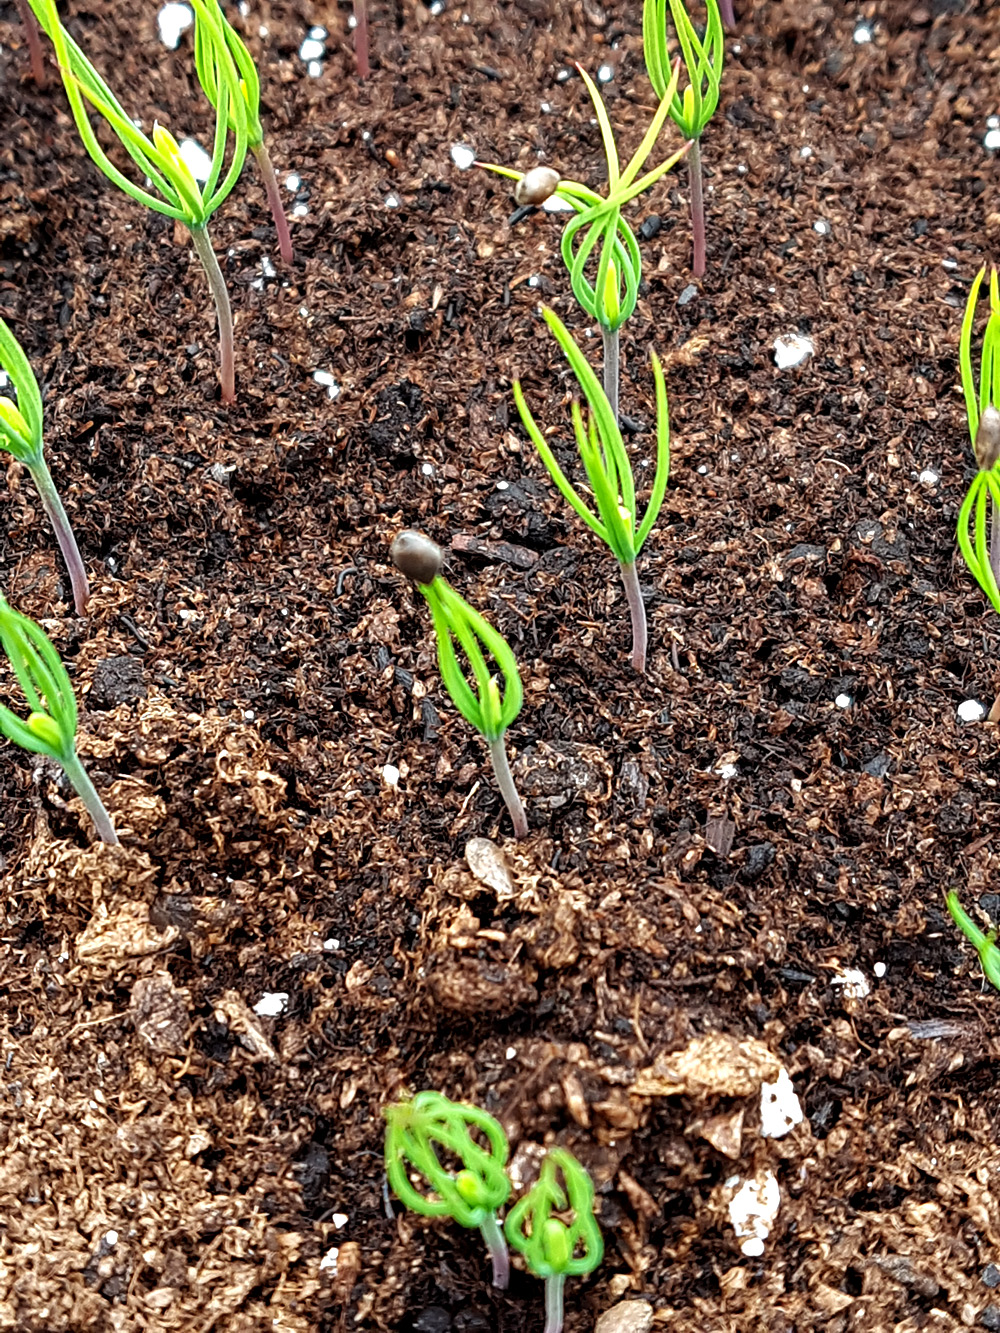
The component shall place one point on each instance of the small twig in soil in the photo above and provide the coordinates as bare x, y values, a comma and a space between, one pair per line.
50, 728
415, 1133
609, 472
553, 1248
482, 703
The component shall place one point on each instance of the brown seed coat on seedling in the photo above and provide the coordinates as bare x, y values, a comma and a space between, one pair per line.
987, 446
536, 185
417, 556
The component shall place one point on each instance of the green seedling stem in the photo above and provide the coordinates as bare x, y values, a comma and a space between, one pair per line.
553, 1248
21, 436
173, 190
482, 704
982, 402
207, 66
599, 228
34, 43
609, 472
416, 1133
989, 954
694, 108
50, 728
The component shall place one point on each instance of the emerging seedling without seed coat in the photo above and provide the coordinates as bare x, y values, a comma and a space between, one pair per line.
51, 725
172, 189
693, 110
489, 711
554, 1248
609, 472
21, 435
982, 555
416, 1132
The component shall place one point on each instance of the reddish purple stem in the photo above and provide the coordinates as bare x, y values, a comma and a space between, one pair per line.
726, 10
361, 38
697, 210
53, 507
34, 43
273, 192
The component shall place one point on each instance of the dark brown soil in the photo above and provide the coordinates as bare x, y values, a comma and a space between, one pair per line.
171, 1161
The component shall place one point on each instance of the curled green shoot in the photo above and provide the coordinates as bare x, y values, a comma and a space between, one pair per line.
982, 405
50, 727
207, 66
983, 942
172, 190
417, 1132
613, 516
693, 108
608, 295
552, 1247
482, 703
21, 435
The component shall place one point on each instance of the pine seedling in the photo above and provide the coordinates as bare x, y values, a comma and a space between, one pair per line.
599, 228
21, 436
50, 728
694, 108
609, 472
172, 189
989, 954
361, 58
417, 1132
728, 16
982, 402
554, 1248
207, 65
482, 704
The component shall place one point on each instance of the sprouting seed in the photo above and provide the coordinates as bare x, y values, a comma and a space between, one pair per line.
536, 185
172, 189
552, 1247
206, 64
483, 704
609, 472
50, 727
21, 434
416, 1132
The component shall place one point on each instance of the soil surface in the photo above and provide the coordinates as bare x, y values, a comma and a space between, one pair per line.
783, 798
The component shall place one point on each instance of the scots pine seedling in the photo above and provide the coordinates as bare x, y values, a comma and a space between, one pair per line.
609, 472
21, 435
481, 704
417, 1132
599, 229
172, 189
982, 406
692, 110
554, 1248
989, 954
51, 724
207, 64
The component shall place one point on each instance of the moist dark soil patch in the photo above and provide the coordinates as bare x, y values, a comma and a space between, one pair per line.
786, 795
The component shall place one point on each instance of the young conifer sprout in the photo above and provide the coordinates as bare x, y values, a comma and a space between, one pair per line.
416, 1133
172, 189
50, 727
609, 472
728, 17
206, 64
693, 110
982, 405
361, 58
610, 294
482, 704
552, 1247
989, 954
21, 435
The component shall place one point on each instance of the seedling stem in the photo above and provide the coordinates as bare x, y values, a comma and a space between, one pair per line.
34, 44
555, 1284
53, 507
612, 355
505, 782
203, 248
697, 210
361, 38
